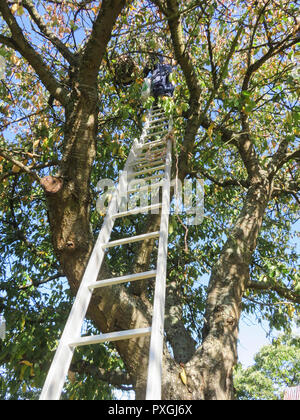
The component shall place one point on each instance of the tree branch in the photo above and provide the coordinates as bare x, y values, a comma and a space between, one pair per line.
211, 58
259, 15
181, 54
44, 281
171, 11
65, 52
289, 188
282, 291
99, 38
281, 156
246, 147
224, 68
2, 127
281, 46
7, 41
16, 162
196, 118
20, 44
231, 182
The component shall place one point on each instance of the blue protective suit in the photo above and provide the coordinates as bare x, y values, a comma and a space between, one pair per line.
160, 83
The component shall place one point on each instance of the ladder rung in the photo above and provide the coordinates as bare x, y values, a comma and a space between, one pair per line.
137, 210
153, 143
158, 120
161, 110
150, 177
149, 163
146, 162
145, 187
161, 126
158, 115
123, 279
156, 168
156, 142
157, 151
161, 121
114, 336
150, 158
154, 125
158, 111
151, 154
131, 239
156, 133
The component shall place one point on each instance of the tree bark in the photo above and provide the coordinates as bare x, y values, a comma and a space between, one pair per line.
211, 366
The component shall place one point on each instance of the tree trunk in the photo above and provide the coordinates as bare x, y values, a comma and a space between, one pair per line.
211, 367
69, 208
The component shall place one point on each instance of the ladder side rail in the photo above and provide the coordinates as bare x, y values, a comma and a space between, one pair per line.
62, 359
154, 381
60, 365
146, 127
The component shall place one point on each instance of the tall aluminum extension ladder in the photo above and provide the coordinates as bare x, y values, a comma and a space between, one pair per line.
150, 155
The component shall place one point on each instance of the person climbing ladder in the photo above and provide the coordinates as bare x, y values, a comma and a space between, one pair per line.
160, 80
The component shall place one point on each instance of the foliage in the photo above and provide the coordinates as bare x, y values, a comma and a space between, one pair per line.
276, 368
221, 38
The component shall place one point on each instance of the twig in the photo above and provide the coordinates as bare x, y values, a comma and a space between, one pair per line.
23, 167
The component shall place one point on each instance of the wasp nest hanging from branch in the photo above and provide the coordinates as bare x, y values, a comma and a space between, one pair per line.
125, 70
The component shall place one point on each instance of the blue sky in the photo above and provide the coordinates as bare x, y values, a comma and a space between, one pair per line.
252, 337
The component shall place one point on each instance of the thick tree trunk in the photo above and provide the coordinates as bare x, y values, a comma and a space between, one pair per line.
210, 369
69, 208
